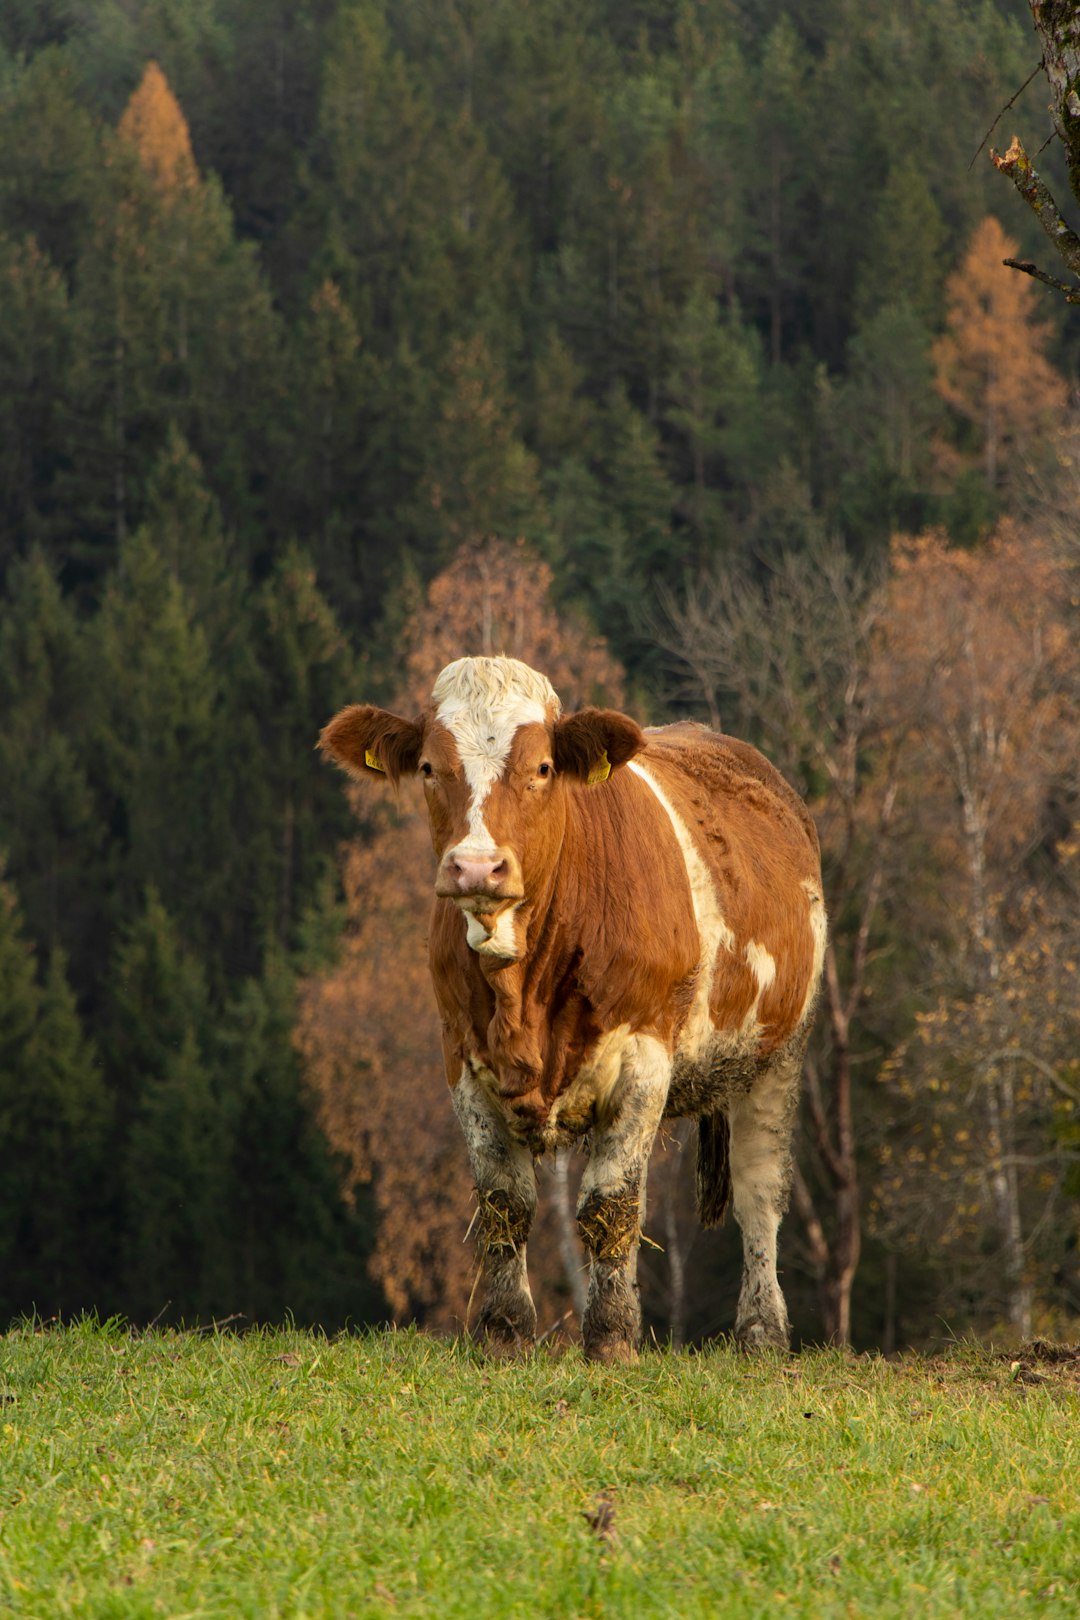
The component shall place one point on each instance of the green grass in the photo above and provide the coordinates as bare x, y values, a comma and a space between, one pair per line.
280, 1474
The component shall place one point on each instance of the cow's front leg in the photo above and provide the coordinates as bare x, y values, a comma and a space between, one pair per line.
506, 1199
611, 1206
760, 1125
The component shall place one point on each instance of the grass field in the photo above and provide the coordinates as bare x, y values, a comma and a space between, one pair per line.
281, 1474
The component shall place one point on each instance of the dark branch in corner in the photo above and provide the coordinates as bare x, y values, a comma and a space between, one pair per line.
1072, 294
1018, 166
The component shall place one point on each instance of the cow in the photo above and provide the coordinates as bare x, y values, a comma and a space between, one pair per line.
628, 926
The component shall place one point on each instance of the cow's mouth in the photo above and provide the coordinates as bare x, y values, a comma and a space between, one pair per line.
489, 925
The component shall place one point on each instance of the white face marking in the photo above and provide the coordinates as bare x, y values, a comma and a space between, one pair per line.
713, 931
482, 702
819, 927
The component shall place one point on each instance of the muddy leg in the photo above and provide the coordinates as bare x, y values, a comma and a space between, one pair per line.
506, 1196
760, 1124
611, 1206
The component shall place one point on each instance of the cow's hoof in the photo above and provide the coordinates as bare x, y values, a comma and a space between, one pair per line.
610, 1352
755, 1335
502, 1339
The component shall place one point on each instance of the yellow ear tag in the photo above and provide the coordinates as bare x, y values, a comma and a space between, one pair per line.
600, 771
369, 759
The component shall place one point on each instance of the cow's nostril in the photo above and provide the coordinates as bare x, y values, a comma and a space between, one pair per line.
500, 870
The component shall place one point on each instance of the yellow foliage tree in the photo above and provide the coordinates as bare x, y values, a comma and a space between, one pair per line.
155, 126
976, 651
991, 366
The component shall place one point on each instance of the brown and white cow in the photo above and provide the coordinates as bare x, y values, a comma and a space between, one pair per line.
629, 925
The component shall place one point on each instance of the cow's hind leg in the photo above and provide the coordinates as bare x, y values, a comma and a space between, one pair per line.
611, 1206
760, 1124
506, 1200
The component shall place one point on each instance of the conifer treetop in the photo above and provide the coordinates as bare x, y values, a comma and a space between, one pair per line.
155, 125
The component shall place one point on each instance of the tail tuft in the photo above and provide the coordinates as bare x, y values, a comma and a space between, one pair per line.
713, 1169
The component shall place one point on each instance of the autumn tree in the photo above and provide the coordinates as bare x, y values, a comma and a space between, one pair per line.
368, 1029
991, 368
788, 664
976, 649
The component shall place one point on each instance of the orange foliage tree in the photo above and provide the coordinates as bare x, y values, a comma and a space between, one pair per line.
991, 368
155, 126
976, 649
368, 1028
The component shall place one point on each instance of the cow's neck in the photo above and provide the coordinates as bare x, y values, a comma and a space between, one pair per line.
525, 989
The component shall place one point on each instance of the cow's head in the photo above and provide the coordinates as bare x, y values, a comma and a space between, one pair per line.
497, 758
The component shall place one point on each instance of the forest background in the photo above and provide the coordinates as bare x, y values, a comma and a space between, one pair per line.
663, 343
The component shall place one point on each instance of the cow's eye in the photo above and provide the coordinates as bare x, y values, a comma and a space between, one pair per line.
425, 768
544, 769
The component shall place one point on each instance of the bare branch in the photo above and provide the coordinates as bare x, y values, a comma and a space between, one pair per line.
1010, 103
1048, 1072
1016, 164
1072, 294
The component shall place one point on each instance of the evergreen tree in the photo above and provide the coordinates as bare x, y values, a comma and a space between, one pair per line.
294, 1244
50, 823
174, 326
53, 1120
294, 670
174, 1142
35, 338
154, 750
904, 249
888, 414
715, 405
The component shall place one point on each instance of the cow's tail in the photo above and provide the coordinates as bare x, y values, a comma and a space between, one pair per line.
713, 1169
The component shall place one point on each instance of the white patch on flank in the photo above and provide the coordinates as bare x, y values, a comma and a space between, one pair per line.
482, 702
819, 927
713, 931
763, 967
619, 1151
588, 1096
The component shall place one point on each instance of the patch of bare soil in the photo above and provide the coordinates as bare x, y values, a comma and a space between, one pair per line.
1040, 1361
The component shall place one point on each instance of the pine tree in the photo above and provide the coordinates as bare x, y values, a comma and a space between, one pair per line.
154, 750
294, 1244
714, 403
478, 478
904, 249
50, 823
35, 341
174, 1142
173, 328
53, 1119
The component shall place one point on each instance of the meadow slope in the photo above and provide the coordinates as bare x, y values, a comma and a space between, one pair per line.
284, 1474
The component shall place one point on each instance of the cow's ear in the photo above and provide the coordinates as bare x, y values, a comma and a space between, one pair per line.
367, 741
591, 744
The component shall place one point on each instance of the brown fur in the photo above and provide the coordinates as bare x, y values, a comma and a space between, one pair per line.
582, 740
394, 742
607, 947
